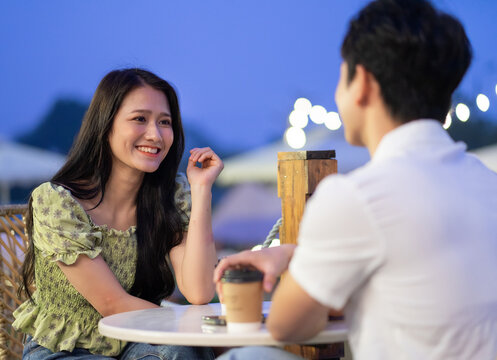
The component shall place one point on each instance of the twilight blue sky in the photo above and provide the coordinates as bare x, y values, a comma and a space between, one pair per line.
238, 65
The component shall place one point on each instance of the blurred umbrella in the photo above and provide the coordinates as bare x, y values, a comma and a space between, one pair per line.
22, 165
260, 165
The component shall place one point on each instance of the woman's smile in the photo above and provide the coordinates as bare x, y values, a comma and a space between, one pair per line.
149, 151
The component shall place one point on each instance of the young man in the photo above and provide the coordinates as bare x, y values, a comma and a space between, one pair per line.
407, 244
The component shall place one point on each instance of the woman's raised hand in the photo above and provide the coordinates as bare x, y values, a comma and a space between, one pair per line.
211, 166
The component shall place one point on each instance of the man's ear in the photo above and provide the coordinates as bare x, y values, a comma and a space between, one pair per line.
363, 85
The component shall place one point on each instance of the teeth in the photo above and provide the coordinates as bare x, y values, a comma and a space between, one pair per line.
148, 150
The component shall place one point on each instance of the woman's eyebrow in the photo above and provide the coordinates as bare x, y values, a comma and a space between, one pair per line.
149, 112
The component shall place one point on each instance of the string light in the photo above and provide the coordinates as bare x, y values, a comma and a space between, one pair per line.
298, 118
448, 121
303, 105
332, 121
303, 110
462, 112
482, 102
318, 114
295, 137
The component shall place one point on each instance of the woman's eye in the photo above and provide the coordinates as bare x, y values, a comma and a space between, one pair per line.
140, 118
166, 122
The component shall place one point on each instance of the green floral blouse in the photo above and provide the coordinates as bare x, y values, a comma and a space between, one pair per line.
62, 319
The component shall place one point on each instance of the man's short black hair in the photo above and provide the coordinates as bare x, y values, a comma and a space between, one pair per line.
417, 54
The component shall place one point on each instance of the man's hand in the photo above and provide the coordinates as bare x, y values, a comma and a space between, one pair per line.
271, 261
294, 315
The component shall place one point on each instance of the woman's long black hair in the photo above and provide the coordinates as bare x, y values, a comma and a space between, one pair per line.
87, 170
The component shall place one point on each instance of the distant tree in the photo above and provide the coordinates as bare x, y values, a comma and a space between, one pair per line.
58, 128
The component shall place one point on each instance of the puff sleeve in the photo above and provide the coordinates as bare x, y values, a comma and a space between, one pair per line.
61, 228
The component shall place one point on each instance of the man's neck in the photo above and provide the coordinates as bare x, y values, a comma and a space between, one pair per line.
377, 125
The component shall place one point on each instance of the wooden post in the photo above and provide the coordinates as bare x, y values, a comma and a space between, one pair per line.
298, 175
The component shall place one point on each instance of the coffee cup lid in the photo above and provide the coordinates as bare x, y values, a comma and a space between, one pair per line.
242, 275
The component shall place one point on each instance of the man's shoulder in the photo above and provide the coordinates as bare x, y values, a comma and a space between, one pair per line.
377, 172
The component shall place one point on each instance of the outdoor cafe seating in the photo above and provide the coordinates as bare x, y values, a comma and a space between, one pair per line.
298, 176
13, 245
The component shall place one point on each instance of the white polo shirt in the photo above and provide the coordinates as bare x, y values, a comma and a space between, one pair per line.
408, 244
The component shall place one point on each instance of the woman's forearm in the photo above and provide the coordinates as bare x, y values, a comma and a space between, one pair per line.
199, 257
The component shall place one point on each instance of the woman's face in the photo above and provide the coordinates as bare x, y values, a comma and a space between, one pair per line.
142, 131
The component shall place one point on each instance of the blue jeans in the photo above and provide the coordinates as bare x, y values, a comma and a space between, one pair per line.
258, 352
132, 351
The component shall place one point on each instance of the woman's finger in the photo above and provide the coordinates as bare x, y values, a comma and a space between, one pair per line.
202, 154
200, 150
205, 156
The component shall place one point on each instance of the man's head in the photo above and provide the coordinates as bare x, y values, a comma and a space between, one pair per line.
416, 54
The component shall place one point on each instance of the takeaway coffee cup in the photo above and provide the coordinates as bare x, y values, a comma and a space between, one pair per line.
242, 293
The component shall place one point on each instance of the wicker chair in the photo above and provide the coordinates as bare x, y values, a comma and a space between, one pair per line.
13, 245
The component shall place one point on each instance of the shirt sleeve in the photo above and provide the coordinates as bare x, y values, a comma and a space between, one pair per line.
61, 229
183, 199
339, 246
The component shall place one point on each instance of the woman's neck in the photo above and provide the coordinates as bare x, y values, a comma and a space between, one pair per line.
121, 189
118, 207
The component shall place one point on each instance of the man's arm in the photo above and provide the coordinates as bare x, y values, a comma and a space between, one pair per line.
294, 315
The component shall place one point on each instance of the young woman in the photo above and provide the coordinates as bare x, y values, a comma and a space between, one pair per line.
116, 222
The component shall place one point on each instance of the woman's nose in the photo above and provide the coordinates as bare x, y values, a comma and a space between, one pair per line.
152, 132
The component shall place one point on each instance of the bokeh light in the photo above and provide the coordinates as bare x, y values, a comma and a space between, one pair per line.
482, 102
448, 121
302, 105
318, 114
332, 121
298, 119
462, 112
295, 137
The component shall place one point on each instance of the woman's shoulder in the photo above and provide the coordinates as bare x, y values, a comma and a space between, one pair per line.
49, 199
49, 189
181, 179
182, 185
182, 196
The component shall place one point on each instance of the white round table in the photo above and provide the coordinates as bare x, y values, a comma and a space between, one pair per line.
182, 325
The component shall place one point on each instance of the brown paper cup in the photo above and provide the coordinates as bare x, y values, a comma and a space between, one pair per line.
242, 293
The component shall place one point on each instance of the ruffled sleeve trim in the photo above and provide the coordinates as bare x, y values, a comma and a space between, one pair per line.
70, 258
